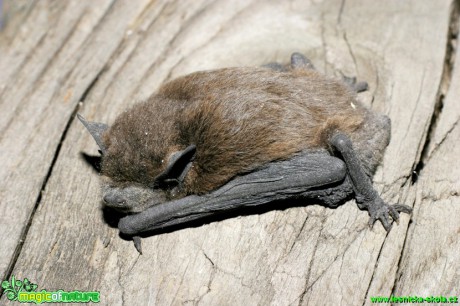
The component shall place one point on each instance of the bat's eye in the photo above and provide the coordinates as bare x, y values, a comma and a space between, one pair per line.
166, 184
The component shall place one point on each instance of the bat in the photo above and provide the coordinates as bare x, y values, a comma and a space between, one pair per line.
214, 141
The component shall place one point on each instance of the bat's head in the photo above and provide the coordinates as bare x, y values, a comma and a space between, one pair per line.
137, 176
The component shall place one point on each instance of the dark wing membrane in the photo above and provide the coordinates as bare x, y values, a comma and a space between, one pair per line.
304, 175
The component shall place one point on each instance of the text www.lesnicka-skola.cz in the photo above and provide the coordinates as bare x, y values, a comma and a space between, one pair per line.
414, 299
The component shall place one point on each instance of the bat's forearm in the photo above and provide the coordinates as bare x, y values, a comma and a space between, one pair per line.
361, 182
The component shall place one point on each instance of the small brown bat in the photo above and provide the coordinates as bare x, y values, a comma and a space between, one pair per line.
216, 140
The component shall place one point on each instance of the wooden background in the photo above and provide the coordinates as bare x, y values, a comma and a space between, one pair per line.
97, 58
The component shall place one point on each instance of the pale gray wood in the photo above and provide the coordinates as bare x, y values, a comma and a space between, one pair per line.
44, 71
431, 262
307, 255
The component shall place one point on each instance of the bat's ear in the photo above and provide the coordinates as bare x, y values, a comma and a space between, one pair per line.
178, 167
95, 129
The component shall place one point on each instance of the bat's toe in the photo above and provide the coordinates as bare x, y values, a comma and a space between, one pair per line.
385, 213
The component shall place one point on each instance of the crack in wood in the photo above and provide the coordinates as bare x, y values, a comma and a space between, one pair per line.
307, 286
443, 88
339, 17
438, 145
26, 228
449, 62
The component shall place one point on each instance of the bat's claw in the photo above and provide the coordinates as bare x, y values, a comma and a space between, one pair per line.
379, 210
138, 244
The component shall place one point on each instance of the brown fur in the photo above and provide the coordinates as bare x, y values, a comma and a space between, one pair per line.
238, 118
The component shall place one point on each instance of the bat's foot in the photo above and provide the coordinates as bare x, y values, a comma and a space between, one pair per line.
354, 85
379, 210
365, 194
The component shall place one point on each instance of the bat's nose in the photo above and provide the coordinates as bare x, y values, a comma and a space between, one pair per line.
112, 199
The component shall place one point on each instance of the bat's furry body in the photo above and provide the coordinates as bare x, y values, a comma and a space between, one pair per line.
201, 131
239, 119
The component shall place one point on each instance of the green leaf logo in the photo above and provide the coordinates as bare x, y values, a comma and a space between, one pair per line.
14, 286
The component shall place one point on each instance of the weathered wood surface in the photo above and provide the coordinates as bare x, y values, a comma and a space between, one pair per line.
110, 54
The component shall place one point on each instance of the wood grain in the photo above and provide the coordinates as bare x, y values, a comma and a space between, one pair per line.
109, 56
